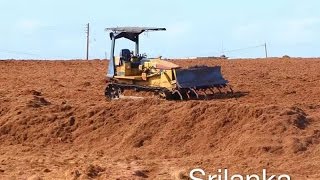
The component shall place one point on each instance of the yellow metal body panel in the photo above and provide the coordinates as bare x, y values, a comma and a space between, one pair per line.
117, 61
166, 78
154, 73
125, 69
129, 77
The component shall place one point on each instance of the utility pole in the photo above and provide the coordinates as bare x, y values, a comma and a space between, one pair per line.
222, 48
88, 38
265, 49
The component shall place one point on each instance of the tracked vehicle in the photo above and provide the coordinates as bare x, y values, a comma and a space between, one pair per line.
132, 70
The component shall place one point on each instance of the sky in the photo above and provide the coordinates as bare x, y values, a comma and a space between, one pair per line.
55, 29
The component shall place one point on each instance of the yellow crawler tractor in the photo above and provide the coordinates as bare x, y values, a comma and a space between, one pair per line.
132, 70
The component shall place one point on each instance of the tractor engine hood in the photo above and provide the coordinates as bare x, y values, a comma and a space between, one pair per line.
164, 65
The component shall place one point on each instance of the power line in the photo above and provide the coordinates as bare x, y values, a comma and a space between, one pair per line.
246, 48
49, 28
17, 52
251, 47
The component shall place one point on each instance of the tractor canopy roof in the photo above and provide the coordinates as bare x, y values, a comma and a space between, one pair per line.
134, 30
131, 33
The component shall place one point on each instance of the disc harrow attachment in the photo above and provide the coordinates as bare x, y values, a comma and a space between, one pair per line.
201, 93
114, 91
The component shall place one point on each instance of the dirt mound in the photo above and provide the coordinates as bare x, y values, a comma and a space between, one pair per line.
192, 128
59, 125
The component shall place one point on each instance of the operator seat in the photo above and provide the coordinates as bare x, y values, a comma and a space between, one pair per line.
125, 55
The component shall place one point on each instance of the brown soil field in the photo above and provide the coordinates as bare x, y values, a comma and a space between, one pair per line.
55, 123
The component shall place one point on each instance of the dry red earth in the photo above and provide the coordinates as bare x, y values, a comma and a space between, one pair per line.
56, 124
